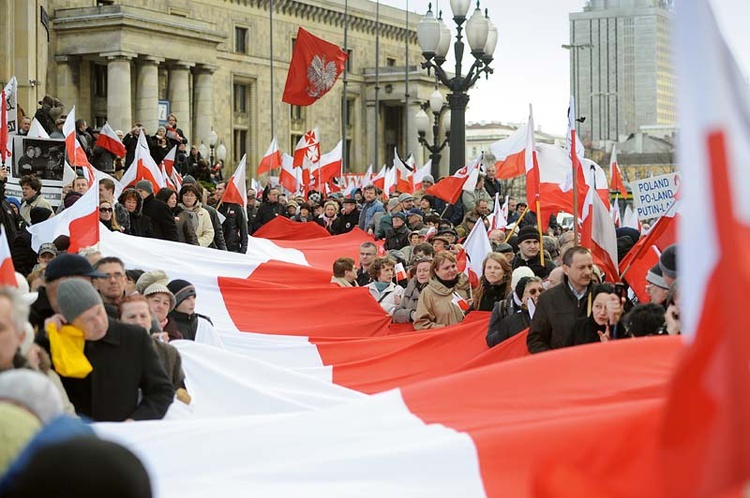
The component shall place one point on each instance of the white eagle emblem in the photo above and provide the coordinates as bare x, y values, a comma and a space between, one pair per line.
321, 76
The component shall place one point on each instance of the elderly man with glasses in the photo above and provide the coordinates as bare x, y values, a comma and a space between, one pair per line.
367, 253
111, 285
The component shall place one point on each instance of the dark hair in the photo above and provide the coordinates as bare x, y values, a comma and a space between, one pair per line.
32, 181
567, 258
341, 266
377, 265
425, 248
432, 218
602, 289
108, 260
107, 184
189, 188
165, 193
429, 198
644, 319
134, 274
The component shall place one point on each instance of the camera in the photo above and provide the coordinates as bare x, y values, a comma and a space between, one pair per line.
621, 290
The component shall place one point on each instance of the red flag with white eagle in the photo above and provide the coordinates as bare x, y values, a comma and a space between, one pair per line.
8, 119
7, 270
80, 222
615, 176
143, 167
599, 236
705, 446
271, 159
76, 155
236, 186
109, 140
450, 188
315, 66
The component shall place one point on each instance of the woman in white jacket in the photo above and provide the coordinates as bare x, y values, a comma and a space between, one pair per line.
204, 229
387, 293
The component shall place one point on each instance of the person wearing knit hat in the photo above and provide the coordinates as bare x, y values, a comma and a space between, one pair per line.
668, 264
656, 286
145, 186
39, 214
193, 326
153, 286
529, 249
511, 316
126, 379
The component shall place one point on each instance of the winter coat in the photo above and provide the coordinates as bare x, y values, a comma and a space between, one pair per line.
500, 330
218, 242
535, 264
404, 312
368, 211
140, 224
163, 225
435, 307
470, 199
185, 229
490, 295
187, 324
556, 313
36, 201
387, 298
201, 221
252, 215
326, 222
397, 238
345, 222
234, 227
268, 211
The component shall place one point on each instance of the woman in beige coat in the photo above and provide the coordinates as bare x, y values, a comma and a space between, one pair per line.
204, 229
446, 298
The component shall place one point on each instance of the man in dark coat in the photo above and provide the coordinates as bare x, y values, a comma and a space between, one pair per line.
529, 254
163, 225
348, 218
252, 210
235, 222
269, 209
398, 236
559, 307
127, 381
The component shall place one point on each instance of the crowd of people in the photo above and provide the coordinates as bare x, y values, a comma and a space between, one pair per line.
85, 336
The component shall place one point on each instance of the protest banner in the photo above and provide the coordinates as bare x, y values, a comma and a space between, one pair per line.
653, 196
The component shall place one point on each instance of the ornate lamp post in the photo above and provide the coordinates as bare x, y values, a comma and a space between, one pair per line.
212, 139
221, 154
437, 105
434, 39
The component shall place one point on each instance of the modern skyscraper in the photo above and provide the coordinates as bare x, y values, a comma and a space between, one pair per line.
621, 67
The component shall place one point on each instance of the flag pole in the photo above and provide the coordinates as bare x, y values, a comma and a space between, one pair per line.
515, 225
539, 224
406, 83
377, 78
344, 101
273, 104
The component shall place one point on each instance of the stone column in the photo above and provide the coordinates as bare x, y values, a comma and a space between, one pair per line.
203, 87
179, 97
66, 82
147, 94
119, 91
371, 145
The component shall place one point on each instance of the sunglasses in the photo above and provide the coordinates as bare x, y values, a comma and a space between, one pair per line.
105, 210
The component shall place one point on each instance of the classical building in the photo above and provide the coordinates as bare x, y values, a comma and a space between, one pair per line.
221, 65
621, 69
479, 137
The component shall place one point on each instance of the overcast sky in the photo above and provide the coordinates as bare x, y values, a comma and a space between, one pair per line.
530, 65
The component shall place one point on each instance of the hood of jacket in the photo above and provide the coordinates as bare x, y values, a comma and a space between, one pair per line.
139, 201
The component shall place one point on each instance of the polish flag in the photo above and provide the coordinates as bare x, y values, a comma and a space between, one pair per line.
615, 182
37, 130
7, 270
290, 177
236, 186
598, 235
630, 219
404, 173
498, 219
477, 246
255, 185
459, 301
615, 212
271, 159
379, 179
421, 173
76, 155
171, 176
510, 153
450, 189
531, 166
307, 154
645, 253
329, 166
80, 222
400, 272
390, 181
8, 119
143, 167
109, 140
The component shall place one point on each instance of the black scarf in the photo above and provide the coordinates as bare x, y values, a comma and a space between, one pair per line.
448, 283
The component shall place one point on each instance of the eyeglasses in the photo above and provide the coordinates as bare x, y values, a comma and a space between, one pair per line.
105, 210
110, 276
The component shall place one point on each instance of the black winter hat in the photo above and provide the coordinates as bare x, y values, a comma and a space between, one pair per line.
521, 286
182, 289
668, 261
528, 233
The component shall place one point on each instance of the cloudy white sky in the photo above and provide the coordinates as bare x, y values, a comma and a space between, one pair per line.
531, 67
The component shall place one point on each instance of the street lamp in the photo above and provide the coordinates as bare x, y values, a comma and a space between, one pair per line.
212, 139
434, 39
422, 121
203, 150
221, 154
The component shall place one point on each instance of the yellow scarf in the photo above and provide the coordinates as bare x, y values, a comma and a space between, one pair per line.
67, 351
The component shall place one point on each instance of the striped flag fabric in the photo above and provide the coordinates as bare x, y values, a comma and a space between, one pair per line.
109, 140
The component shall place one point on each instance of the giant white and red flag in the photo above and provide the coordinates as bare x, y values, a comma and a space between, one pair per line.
76, 155
143, 167
79, 222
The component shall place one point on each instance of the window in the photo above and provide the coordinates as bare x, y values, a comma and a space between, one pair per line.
350, 112
348, 158
390, 61
100, 80
241, 98
240, 142
349, 60
240, 40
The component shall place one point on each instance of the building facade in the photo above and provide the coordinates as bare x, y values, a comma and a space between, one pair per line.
621, 69
222, 65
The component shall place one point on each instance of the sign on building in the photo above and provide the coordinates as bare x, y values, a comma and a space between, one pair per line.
653, 196
164, 107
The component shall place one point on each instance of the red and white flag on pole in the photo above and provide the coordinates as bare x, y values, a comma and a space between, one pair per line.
531, 165
329, 166
315, 66
615, 176
7, 270
109, 140
307, 156
400, 272
510, 153
290, 177
450, 189
8, 119
459, 301
615, 212
171, 176
390, 181
378, 180
271, 159
236, 189
404, 173
420, 173
80, 222
76, 155
705, 447
143, 167
598, 234
498, 218
477, 246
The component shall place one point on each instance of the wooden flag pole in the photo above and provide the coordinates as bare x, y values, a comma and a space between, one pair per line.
515, 225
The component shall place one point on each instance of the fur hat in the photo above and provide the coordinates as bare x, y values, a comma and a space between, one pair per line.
76, 295
528, 233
